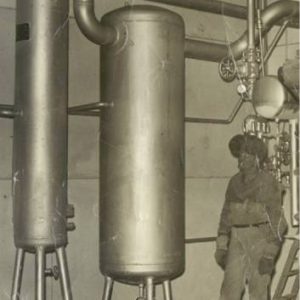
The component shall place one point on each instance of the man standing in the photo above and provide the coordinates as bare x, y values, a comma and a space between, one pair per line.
251, 225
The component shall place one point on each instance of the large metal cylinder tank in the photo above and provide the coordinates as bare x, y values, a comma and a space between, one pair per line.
142, 146
40, 128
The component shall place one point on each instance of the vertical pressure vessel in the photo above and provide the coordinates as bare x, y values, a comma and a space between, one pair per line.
40, 129
142, 146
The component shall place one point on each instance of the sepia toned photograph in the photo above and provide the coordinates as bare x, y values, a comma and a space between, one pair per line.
149, 150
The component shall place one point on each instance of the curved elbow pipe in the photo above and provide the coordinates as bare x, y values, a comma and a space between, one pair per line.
275, 12
89, 25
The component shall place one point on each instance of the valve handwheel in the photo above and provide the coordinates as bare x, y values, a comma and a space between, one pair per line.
227, 69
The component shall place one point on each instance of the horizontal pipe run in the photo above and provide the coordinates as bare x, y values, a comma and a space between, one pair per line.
204, 50
200, 240
90, 110
89, 107
7, 111
275, 12
215, 7
96, 32
218, 121
213, 238
85, 113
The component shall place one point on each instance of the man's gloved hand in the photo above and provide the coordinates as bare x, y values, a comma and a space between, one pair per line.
266, 265
221, 257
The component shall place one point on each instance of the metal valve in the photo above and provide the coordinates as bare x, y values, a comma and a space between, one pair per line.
52, 272
227, 69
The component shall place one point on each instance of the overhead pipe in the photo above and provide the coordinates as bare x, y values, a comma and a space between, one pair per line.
251, 24
215, 7
274, 13
90, 26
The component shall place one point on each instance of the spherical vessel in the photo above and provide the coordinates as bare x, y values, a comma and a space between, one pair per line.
142, 146
269, 97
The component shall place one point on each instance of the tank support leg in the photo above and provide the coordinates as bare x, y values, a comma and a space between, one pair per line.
149, 289
108, 287
40, 280
64, 273
141, 291
18, 272
167, 290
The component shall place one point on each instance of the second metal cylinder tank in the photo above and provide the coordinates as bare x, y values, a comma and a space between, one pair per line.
142, 146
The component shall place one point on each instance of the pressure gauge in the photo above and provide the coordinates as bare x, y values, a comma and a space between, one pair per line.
227, 69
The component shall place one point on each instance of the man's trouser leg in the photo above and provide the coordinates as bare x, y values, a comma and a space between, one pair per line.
234, 277
258, 284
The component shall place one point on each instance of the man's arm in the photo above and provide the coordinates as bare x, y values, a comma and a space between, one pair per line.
271, 193
225, 222
223, 233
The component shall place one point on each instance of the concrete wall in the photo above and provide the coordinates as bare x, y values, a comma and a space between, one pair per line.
208, 162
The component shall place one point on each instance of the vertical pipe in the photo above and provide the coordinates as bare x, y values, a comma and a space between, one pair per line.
64, 273
263, 5
108, 287
294, 173
167, 290
40, 280
251, 24
149, 288
261, 41
18, 272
